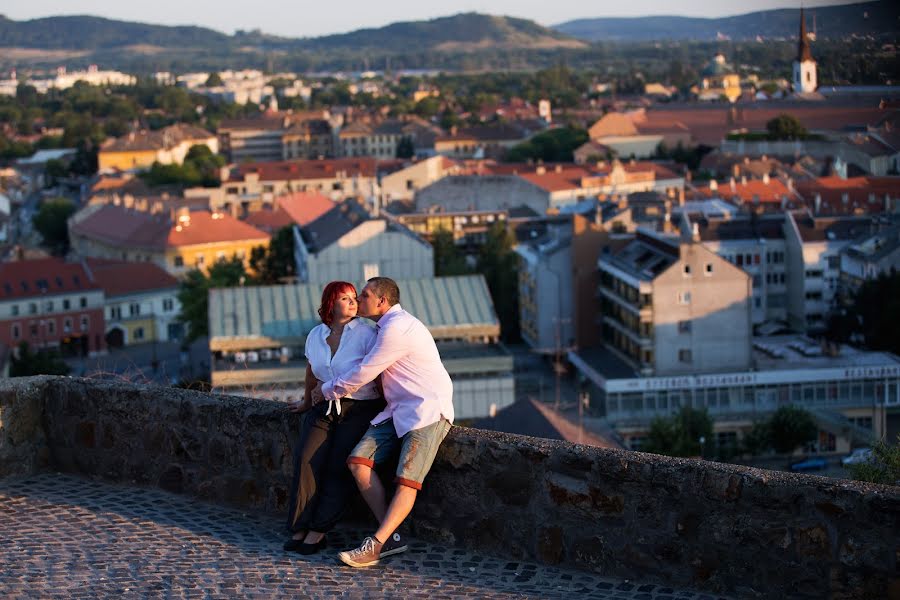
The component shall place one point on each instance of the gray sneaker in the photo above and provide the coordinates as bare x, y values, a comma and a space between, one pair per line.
394, 545
366, 555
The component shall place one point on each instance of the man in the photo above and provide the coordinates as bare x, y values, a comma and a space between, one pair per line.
417, 418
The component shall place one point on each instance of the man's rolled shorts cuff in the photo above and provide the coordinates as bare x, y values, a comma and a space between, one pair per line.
416, 485
359, 460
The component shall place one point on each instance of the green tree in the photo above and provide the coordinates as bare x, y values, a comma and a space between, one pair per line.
405, 147
786, 127
791, 426
42, 362
273, 263
500, 267
555, 145
758, 440
214, 80
448, 259
883, 467
680, 434
193, 293
871, 315
51, 221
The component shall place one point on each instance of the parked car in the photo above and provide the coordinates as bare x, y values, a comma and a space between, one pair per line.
810, 464
857, 456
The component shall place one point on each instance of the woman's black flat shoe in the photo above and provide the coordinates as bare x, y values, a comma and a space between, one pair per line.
311, 548
293, 545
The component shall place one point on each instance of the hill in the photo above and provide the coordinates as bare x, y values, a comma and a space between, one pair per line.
831, 22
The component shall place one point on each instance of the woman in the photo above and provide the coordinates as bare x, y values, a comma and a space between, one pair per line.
322, 483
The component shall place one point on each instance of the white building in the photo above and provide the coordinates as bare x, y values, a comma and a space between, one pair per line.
804, 67
347, 244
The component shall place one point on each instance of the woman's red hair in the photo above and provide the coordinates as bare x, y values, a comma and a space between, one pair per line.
330, 295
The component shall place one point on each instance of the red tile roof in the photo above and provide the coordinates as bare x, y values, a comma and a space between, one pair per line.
749, 191
118, 226
28, 278
269, 220
167, 137
853, 195
290, 170
305, 207
120, 278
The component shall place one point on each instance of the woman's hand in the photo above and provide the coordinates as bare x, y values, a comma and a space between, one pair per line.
317, 395
300, 406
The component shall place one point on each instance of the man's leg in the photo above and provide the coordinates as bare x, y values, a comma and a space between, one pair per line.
370, 487
401, 505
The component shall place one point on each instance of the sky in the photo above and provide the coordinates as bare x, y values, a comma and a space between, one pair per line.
301, 18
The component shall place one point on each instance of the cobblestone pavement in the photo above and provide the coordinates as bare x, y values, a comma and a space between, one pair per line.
67, 537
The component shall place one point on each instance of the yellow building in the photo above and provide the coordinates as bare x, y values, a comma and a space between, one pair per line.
718, 80
176, 242
140, 150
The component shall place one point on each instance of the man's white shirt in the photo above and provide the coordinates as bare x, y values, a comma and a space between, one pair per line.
416, 385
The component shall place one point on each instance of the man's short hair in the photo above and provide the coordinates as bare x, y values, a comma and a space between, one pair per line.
387, 288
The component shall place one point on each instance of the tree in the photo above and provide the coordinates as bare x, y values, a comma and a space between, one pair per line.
871, 315
42, 362
51, 221
680, 434
405, 147
555, 145
273, 263
791, 426
786, 127
499, 265
448, 259
214, 80
758, 440
193, 293
883, 467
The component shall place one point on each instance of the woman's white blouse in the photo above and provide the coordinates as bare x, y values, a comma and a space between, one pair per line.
357, 339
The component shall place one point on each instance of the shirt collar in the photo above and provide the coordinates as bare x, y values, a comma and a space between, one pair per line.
391, 311
350, 325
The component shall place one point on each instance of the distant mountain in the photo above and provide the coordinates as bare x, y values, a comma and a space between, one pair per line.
462, 32
94, 33
456, 33
867, 18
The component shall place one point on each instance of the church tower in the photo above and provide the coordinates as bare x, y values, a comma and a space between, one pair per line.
804, 66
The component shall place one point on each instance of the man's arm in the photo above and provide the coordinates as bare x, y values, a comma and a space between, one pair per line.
390, 347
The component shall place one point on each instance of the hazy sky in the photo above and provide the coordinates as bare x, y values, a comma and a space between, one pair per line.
303, 18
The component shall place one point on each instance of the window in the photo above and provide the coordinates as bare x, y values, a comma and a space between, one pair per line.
370, 270
834, 262
240, 254
82, 302
134, 309
709, 268
684, 297
684, 326
85, 321
48, 306
16, 331
115, 312
178, 261
15, 310
67, 304
684, 355
67, 325
33, 329
687, 270
139, 333
32, 308
220, 255
168, 304
740, 260
201, 260
51, 326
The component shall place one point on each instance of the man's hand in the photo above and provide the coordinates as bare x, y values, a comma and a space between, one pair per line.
317, 395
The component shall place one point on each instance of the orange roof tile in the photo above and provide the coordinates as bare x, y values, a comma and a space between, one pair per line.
305, 207
753, 189
289, 170
209, 228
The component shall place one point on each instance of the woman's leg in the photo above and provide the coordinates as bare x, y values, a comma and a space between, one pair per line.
337, 484
310, 459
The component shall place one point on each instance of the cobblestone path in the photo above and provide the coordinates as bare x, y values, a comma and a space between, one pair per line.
67, 537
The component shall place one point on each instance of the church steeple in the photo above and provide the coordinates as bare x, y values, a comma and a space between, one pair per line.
803, 51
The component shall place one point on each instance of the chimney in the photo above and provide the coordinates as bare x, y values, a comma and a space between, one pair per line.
713, 186
558, 168
695, 232
540, 170
733, 185
818, 203
765, 179
743, 180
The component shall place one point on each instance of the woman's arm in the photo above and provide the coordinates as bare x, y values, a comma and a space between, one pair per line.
309, 383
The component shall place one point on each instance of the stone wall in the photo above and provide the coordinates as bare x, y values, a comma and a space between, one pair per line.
723, 528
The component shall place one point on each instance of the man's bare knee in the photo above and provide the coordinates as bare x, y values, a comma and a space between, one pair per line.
362, 473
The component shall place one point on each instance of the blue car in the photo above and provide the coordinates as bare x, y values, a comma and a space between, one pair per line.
810, 464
